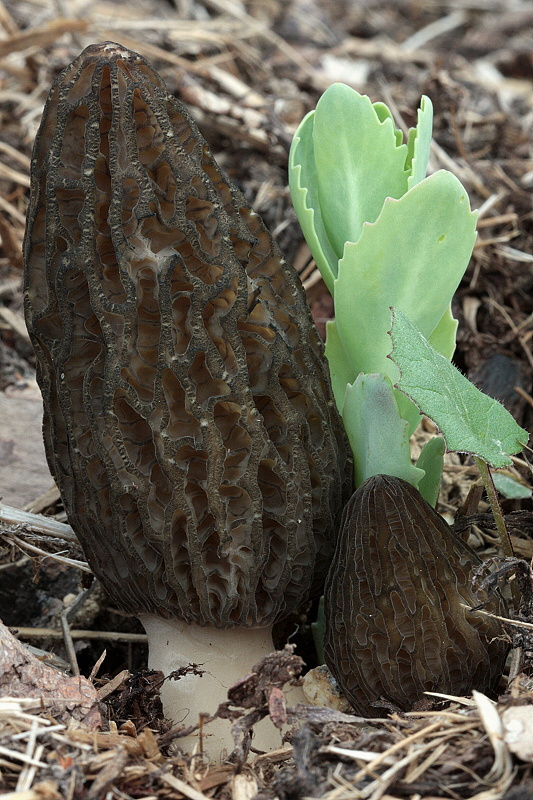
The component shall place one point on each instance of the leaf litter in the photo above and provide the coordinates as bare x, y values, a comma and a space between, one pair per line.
249, 71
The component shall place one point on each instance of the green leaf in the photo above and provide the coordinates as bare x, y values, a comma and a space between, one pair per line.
358, 162
383, 112
378, 436
340, 370
431, 460
507, 485
443, 336
470, 421
408, 411
419, 142
303, 186
413, 258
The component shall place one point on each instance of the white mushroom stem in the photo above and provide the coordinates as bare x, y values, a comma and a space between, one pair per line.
226, 656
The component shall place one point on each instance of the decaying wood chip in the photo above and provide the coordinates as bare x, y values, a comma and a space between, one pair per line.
137, 747
113, 684
518, 727
273, 671
277, 707
105, 778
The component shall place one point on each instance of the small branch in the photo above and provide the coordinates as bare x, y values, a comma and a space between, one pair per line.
37, 522
71, 562
51, 633
492, 494
507, 620
66, 616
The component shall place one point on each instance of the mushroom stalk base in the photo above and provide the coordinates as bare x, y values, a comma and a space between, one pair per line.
226, 656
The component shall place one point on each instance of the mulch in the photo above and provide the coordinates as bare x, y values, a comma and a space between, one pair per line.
249, 70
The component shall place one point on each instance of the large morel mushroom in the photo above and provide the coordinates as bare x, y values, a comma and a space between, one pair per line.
189, 420
397, 605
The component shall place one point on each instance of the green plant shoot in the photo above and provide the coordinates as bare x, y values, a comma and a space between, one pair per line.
382, 234
386, 237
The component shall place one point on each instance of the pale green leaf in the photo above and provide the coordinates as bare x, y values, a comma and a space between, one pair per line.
378, 436
408, 411
340, 370
508, 486
419, 142
358, 163
431, 460
383, 112
303, 186
413, 258
443, 336
470, 421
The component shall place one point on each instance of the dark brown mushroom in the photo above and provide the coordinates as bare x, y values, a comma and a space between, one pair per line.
396, 622
189, 420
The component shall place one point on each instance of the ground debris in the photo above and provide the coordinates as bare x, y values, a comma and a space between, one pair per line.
22, 675
249, 71
261, 691
269, 674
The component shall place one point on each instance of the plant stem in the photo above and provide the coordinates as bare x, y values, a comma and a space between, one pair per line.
492, 494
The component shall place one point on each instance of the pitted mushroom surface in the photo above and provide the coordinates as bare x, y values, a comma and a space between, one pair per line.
189, 420
396, 621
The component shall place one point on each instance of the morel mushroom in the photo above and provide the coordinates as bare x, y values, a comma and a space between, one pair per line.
189, 420
396, 625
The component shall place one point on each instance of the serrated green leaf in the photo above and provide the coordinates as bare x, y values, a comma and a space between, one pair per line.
419, 143
413, 258
470, 421
303, 186
383, 112
358, 163
378, 436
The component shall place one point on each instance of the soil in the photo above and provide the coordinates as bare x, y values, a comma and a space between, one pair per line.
248, 71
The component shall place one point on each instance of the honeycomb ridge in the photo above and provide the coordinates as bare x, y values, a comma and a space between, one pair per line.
395, 625
189, 420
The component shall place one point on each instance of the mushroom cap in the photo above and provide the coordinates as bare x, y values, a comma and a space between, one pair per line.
189, 419
395, 622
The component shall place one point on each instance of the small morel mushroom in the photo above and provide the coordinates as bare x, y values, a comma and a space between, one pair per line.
189, 420
395, 622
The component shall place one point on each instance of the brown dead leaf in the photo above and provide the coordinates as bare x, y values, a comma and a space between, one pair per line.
10, 243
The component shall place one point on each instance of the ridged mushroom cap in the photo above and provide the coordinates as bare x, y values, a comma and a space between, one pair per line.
396, 625
189, 420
